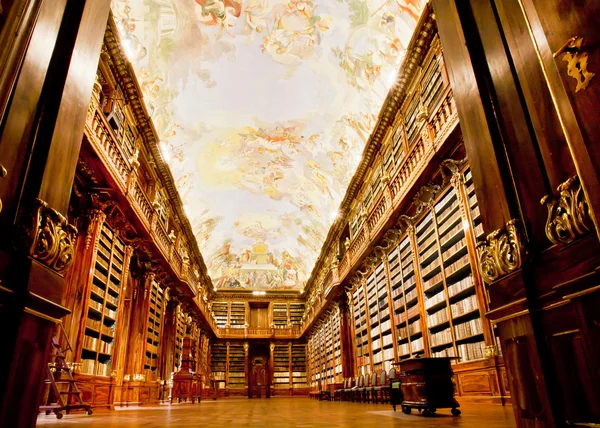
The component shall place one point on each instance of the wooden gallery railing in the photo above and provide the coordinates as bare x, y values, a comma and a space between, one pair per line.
124, 173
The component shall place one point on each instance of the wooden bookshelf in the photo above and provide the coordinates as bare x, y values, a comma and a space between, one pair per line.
281, 366
218, 363
236, 372
103, 305
361, 330
280, 315
221, 313
324, 352
299, 366
155, 321
296, 312
237, 316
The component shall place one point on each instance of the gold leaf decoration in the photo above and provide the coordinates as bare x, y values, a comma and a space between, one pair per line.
568, 214
49, 237
502, 252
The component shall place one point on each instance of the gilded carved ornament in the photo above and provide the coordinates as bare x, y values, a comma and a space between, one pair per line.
48, 237
568, 213
577, 61
502, 252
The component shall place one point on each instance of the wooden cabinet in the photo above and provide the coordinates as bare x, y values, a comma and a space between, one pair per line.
426, 385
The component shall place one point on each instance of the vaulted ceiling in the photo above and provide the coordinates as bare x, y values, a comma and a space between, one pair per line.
263, 109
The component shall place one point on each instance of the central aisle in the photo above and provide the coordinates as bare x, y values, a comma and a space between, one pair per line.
283, 412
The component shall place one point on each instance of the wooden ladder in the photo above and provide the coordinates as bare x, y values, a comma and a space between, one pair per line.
59, 373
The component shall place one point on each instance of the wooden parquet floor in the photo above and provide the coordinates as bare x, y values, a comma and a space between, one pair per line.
283, 412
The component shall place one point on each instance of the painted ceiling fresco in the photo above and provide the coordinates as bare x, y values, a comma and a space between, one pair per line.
263, 109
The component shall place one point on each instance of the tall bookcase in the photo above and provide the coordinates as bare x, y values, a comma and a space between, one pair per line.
296, 312
361, 330
437, 257
337, 345
382, 343
220, 311
103, 305
298, 365
236, 366
155, 319
237, 318
280, 315
281, 366
324, 351
218, 363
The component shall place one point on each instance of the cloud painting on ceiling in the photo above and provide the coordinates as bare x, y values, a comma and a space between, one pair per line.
263, 109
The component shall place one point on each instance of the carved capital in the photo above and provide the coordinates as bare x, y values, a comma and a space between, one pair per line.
95, 219
568, 213
502, 252
47, 236
246, 348
272, 347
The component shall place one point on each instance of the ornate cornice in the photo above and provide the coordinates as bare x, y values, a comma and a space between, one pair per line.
47, 236
502, 252
568, 213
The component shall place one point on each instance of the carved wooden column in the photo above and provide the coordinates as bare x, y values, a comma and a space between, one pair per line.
525, 97
246, 367
226, 369
49, 53
419, 286
457, 180
347, 351
138, 330
351, 329
122, 327
271, 369
168, 340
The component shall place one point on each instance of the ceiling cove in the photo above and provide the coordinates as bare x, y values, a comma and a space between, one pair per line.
263, 109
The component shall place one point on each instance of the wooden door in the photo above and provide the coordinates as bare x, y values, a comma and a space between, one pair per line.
259, 317
259, 379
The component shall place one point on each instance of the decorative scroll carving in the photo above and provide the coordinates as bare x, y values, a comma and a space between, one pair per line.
450, 169
568, 214
502, 252
576, 62
48, 237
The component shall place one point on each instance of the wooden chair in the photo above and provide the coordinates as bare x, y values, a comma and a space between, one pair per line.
382, 388
370, 391
337, 394
347, 394
361, 390
355, 391
394, 391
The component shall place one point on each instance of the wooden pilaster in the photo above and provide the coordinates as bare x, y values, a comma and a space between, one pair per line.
49, 54
136, 354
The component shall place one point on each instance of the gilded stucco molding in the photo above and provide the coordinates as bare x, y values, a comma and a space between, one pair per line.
47, 236
502, 252
568, 213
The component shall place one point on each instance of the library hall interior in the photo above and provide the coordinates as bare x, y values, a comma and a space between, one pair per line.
303, 213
